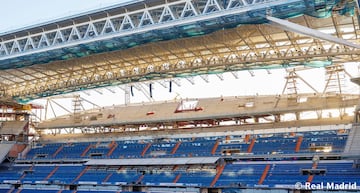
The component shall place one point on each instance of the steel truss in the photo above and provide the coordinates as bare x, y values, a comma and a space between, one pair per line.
128, 22
246, 47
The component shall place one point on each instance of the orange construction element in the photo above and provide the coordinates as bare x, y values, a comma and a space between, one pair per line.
58, 150
176, 147
51, 173
213, 151
298, 143
311, 176
86, 150
112, 146
140, 179
81, 173
251, 146
175, 167
177, 178
247, 138
107, 177
16, 149
145, 149
219, 169
264, 174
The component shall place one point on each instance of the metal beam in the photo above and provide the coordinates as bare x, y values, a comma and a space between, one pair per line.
286, 25
80, 33
219, 52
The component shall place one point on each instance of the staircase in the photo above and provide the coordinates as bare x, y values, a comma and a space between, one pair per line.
140, 179
251, 146
113, 145
264, 174
177, 178
213, 150
58, 150
86, 150
173, 151
145, 149
51, 173
311, 176
81, 174
107, 177
298, 144
219, 170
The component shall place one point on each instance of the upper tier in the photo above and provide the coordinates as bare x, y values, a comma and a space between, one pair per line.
207, 111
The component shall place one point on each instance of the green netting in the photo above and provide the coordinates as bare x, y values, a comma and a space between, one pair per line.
324, 8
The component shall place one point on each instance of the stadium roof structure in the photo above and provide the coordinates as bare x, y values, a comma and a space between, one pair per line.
150, 40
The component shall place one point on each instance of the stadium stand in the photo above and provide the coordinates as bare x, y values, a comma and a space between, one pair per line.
211, 145
216, 162
280, 143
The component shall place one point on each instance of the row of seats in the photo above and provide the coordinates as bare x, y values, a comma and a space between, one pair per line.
54, 191
248, 174
225, 173
79, 174
185, 147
